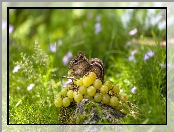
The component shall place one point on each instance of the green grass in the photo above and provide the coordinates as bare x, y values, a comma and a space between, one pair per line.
44, 68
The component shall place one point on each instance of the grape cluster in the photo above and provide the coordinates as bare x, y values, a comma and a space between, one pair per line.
89, 87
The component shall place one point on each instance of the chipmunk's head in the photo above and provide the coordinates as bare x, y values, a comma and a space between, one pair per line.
78, 64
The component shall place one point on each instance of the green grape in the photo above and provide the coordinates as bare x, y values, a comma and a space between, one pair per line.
82, 89
70, 94
114, 101
92, 76
87, 81
118, 107
98, 97
115, 89
91, 90
97, 84
66, 102
58, 95
78, 97
123, 98
126, 108
64, 91
108, 84
104, 89
86, 96
58, 102
75, 93
79, 82
105, 98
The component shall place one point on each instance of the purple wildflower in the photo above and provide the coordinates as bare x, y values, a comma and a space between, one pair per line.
30, 87
148, 55
133, 32
133, 90
16, 68
66, 83
66, 58
132, 57
53, 47
128, 44
97, 28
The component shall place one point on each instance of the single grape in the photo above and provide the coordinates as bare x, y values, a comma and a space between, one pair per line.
75, 93
79, 82
58, 102
58, 95
123, 98
108, 84
97, 83
118, 107
86, 96
70, 94
64, 91
92, 76
114, 101
78, 97
105, 98
66, 102
87, 81
98, 97
115, 89
103, 89
126, 108
82, 89
91, 90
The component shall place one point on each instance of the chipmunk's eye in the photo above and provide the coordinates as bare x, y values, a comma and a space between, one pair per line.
75, 61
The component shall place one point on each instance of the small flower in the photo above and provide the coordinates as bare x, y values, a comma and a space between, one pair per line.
128, 44
131, 58
53, 47
18, 88
98, 18
134, 52
11, 28
30, 87
97, 28
133, 32
133, 90
162, 65
89, 15
148, 55
66, 58
66, 83
16, 68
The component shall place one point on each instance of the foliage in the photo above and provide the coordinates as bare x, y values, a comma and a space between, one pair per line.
42, 39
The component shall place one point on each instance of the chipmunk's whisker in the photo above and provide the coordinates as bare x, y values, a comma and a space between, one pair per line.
67, 77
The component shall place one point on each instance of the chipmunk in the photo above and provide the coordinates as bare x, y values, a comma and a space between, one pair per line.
81, 66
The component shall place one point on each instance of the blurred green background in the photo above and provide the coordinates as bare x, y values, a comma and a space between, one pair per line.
97, 32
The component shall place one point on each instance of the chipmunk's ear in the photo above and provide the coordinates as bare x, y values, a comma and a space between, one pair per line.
81, 54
